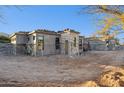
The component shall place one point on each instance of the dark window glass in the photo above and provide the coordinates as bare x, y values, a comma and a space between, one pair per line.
80, 43
57, 43
75, 42
33, 37
28, 38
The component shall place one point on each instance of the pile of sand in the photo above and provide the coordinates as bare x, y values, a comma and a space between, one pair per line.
110, 77
90, 84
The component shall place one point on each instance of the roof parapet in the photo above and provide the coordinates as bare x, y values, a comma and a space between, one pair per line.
19, 33
44, 31
71, 30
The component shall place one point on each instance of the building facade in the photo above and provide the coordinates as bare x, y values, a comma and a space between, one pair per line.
19, 41
44, 42
96, 44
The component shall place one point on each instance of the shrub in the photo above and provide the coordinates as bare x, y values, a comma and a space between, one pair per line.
4, 39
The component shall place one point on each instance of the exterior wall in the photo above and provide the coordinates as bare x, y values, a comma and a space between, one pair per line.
49, 44
20, 49
21, 39
98, 45
19, 42
81, 41
31, 41
72, 50
13, 40
32, 44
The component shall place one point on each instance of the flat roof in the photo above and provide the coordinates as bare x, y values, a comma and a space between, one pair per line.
18, 33
44, 31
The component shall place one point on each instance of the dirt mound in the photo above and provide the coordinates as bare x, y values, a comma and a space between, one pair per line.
89, 84
112, 77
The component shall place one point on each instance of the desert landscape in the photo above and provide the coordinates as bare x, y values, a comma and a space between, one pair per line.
57, 70
62, 46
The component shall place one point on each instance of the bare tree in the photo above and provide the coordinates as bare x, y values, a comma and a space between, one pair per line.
111, 22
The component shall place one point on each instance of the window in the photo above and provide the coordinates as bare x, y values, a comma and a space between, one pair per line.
57, 42
28, 39
33, 37
80, 43
41, 43
75, 42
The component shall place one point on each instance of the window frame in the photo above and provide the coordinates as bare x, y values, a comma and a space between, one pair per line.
75, 41
57, 43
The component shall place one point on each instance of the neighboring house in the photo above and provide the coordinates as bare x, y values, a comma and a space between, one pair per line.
44, 42
96, 44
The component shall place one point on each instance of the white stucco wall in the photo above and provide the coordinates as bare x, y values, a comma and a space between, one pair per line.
19, 39
32, 43
13, 40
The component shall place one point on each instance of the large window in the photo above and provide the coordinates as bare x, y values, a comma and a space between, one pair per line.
41, 43
57, 43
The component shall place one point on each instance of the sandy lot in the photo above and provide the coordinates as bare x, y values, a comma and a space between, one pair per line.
56, 70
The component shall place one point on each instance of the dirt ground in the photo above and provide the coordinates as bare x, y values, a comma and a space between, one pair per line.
56, 70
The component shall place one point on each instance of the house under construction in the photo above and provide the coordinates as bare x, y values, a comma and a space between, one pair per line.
44, 42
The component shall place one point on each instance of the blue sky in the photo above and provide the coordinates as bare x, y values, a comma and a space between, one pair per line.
54, 18
46, 17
